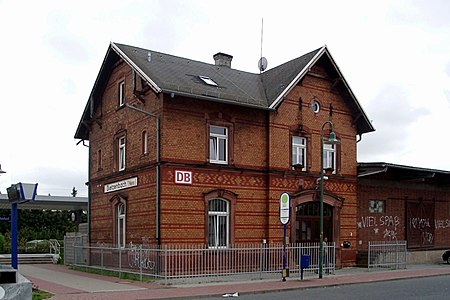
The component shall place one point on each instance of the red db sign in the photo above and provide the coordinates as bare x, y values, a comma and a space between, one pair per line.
183, 177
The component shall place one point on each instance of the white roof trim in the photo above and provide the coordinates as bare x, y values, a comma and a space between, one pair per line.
298, 77
348, 88
152, 84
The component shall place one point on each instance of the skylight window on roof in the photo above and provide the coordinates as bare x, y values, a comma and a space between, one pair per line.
207, 80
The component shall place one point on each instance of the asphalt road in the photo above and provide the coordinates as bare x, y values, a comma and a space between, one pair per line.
437, 287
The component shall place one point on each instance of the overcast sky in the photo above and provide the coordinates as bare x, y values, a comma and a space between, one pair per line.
394, 54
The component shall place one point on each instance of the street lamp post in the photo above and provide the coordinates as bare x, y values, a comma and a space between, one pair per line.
331, 140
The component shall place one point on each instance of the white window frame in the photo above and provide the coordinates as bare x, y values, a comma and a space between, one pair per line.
122, 153
329, 156
217, 217
215, 140
122, 93
299, 151
121, 241
208, 80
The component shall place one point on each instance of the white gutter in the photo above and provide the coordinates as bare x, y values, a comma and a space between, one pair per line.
298, 77
152, 84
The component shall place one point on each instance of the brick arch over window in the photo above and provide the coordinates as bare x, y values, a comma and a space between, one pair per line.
313, 196
225, 195
115, 201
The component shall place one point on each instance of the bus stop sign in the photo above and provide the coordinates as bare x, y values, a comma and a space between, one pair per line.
284, 208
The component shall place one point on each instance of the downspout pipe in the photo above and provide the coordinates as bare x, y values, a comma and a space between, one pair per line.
88, 184
158, 168
359, 138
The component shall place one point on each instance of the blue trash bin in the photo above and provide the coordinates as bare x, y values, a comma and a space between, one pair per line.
304, 263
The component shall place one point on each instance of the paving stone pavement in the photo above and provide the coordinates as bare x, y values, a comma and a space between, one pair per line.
65, 283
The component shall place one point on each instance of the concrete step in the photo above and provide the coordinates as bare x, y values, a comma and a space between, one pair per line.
5, 259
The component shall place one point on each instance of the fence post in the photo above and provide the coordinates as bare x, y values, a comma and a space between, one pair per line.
140, 262
261, 252
165, 264
120, 262
74, 249
65, 251
101, 258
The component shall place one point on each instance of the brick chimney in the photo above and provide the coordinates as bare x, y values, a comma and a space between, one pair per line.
223, 59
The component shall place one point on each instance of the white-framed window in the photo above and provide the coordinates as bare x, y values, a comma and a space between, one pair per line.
122, 152
122, 93
121, 225
218, 223
218, 144
299, 151
207, 80
329, 157
376, 206
144, 142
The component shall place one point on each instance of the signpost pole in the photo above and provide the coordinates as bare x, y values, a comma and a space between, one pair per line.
14, 214
284, 253
284, 219
19, 192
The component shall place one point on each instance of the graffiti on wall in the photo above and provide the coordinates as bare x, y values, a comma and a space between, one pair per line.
384, 226
140, 256
423, 226
442, 224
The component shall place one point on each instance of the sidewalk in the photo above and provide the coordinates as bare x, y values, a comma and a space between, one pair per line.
68, 284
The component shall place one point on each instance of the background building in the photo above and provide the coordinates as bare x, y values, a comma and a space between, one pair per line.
404, 203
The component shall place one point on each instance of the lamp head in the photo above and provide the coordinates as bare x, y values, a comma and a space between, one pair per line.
332, 139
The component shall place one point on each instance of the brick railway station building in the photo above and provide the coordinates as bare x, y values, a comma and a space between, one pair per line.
186, 152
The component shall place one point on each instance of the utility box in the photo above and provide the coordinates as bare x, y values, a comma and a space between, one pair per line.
304, 261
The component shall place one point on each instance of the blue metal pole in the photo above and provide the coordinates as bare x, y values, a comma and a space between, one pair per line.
14, 236
284, 253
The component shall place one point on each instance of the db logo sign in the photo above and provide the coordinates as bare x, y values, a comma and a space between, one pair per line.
183, 177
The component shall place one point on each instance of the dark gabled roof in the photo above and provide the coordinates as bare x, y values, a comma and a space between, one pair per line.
277, 80
171, 74
402, 173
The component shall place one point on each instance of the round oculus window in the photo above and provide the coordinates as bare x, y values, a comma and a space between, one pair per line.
315, 106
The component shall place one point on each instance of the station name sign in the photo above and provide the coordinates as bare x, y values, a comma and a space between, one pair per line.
121, 185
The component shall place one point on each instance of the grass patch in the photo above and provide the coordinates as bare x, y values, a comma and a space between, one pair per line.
121, 275
39, 295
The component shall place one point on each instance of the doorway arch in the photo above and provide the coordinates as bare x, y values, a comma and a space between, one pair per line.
306, 216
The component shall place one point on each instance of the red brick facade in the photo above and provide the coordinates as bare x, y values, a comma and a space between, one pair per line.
259, 141
258, 171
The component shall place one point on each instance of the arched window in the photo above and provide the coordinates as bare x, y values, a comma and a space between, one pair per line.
218, 223
121, 225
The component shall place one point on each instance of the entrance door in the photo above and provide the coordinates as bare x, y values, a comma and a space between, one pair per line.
307, 222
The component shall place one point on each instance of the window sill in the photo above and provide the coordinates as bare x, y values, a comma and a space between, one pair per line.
218, 162
298, 168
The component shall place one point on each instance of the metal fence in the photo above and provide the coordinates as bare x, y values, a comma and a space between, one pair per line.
194, 261
391, 254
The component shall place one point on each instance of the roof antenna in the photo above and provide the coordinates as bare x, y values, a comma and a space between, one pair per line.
262, 63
